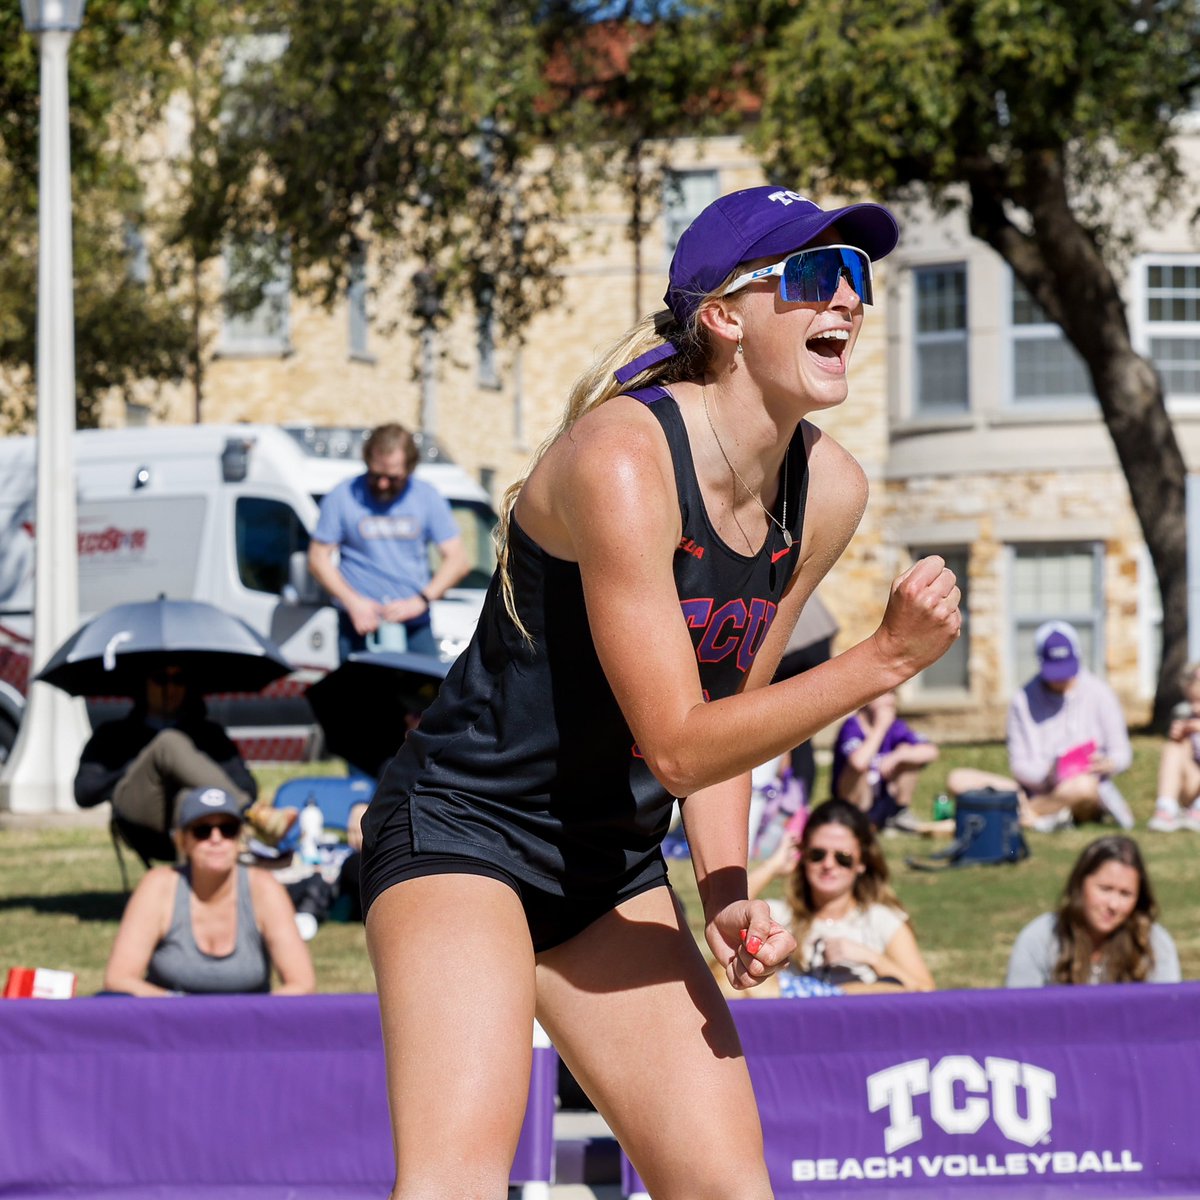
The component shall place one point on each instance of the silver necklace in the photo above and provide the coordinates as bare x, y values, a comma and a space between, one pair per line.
787, 537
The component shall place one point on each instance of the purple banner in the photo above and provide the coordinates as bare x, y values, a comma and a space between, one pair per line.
235, 1097
1039, 1093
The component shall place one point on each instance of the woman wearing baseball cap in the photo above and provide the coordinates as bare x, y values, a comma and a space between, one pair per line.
208, 925
653, 562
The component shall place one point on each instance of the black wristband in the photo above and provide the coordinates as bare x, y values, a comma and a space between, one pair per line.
428, 601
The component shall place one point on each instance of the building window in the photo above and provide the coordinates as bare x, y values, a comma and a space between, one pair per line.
1060, 582
356, 304
1169, 319
249, 59
941, 339
951, 671
258, 285
137, 256
486, 375
685, 194
1045, 366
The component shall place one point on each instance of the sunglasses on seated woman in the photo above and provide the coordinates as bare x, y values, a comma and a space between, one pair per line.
817, 854
812, 276
228, 829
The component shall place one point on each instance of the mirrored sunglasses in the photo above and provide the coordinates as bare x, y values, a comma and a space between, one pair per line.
812, 276
228, 830
818, 854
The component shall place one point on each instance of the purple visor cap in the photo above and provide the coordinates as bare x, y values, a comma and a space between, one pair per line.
1059, 660
759, 222
762, 222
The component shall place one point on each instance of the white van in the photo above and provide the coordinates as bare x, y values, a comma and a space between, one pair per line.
220, 513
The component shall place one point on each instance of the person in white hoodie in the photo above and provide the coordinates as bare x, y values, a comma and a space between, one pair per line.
1067, 741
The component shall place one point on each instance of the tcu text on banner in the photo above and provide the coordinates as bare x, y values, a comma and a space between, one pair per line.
1079, 1092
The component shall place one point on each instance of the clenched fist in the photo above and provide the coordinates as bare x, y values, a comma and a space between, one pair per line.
922, 619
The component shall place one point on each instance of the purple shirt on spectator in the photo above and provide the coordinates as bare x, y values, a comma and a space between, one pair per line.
850, 736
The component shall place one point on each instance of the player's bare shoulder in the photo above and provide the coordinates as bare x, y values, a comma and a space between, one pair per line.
613, 459
835, 477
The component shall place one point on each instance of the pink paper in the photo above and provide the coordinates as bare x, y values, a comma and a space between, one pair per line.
1075, 761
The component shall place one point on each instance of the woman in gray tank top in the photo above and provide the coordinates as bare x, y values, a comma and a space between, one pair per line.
209, 925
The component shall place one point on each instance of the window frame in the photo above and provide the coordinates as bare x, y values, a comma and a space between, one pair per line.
1092, 622
920, 685
677, 217
1144, 331
358, 319
277, 293
1043, 330
920, 410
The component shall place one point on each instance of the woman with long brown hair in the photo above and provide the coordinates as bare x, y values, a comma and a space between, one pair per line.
849, 925
1105, 929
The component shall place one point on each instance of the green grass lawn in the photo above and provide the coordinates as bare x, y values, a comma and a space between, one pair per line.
61, 897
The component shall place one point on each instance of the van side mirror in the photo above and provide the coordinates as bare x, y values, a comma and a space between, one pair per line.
235, 459
301, 587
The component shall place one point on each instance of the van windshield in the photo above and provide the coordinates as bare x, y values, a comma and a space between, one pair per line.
476, 521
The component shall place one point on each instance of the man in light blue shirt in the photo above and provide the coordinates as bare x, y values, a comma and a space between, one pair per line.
381, 525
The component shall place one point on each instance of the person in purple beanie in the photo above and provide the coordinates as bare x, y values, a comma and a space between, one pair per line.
653, 562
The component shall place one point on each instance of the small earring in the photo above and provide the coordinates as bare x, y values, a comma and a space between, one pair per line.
739, 345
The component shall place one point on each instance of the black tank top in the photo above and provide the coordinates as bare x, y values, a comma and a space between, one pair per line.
524, 758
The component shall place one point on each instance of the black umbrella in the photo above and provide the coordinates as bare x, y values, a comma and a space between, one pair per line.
361, 706
115, 651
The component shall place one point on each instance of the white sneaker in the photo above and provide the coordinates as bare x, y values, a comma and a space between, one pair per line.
1191, 819
1166, 821
904, 820
1053, 822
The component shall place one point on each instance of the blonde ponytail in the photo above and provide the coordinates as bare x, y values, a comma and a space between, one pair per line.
593, 388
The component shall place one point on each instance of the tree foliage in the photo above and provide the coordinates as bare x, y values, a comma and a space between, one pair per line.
1053, 123
128, 329
406, 127
623, 81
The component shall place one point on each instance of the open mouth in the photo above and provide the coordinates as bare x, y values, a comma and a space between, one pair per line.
829, 348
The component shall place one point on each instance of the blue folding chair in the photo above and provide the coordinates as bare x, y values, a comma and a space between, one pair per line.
334, 795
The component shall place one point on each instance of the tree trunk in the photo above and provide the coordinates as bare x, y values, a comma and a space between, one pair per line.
1061, 265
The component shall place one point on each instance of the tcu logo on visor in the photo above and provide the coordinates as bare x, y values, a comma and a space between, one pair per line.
785, 198
962, 1095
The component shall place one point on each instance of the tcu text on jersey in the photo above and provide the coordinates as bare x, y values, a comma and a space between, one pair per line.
962, 1095
734, 628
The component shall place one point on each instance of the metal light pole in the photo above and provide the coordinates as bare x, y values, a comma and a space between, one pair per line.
39, 773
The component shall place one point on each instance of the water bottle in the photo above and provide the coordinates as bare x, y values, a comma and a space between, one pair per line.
312, 830
943, 808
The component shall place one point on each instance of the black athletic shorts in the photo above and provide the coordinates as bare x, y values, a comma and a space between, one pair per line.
553, 918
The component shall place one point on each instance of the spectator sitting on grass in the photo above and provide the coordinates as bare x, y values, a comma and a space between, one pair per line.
1067, 739
877, 758
850, 928
1179, 763
1104, 930
210, 925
